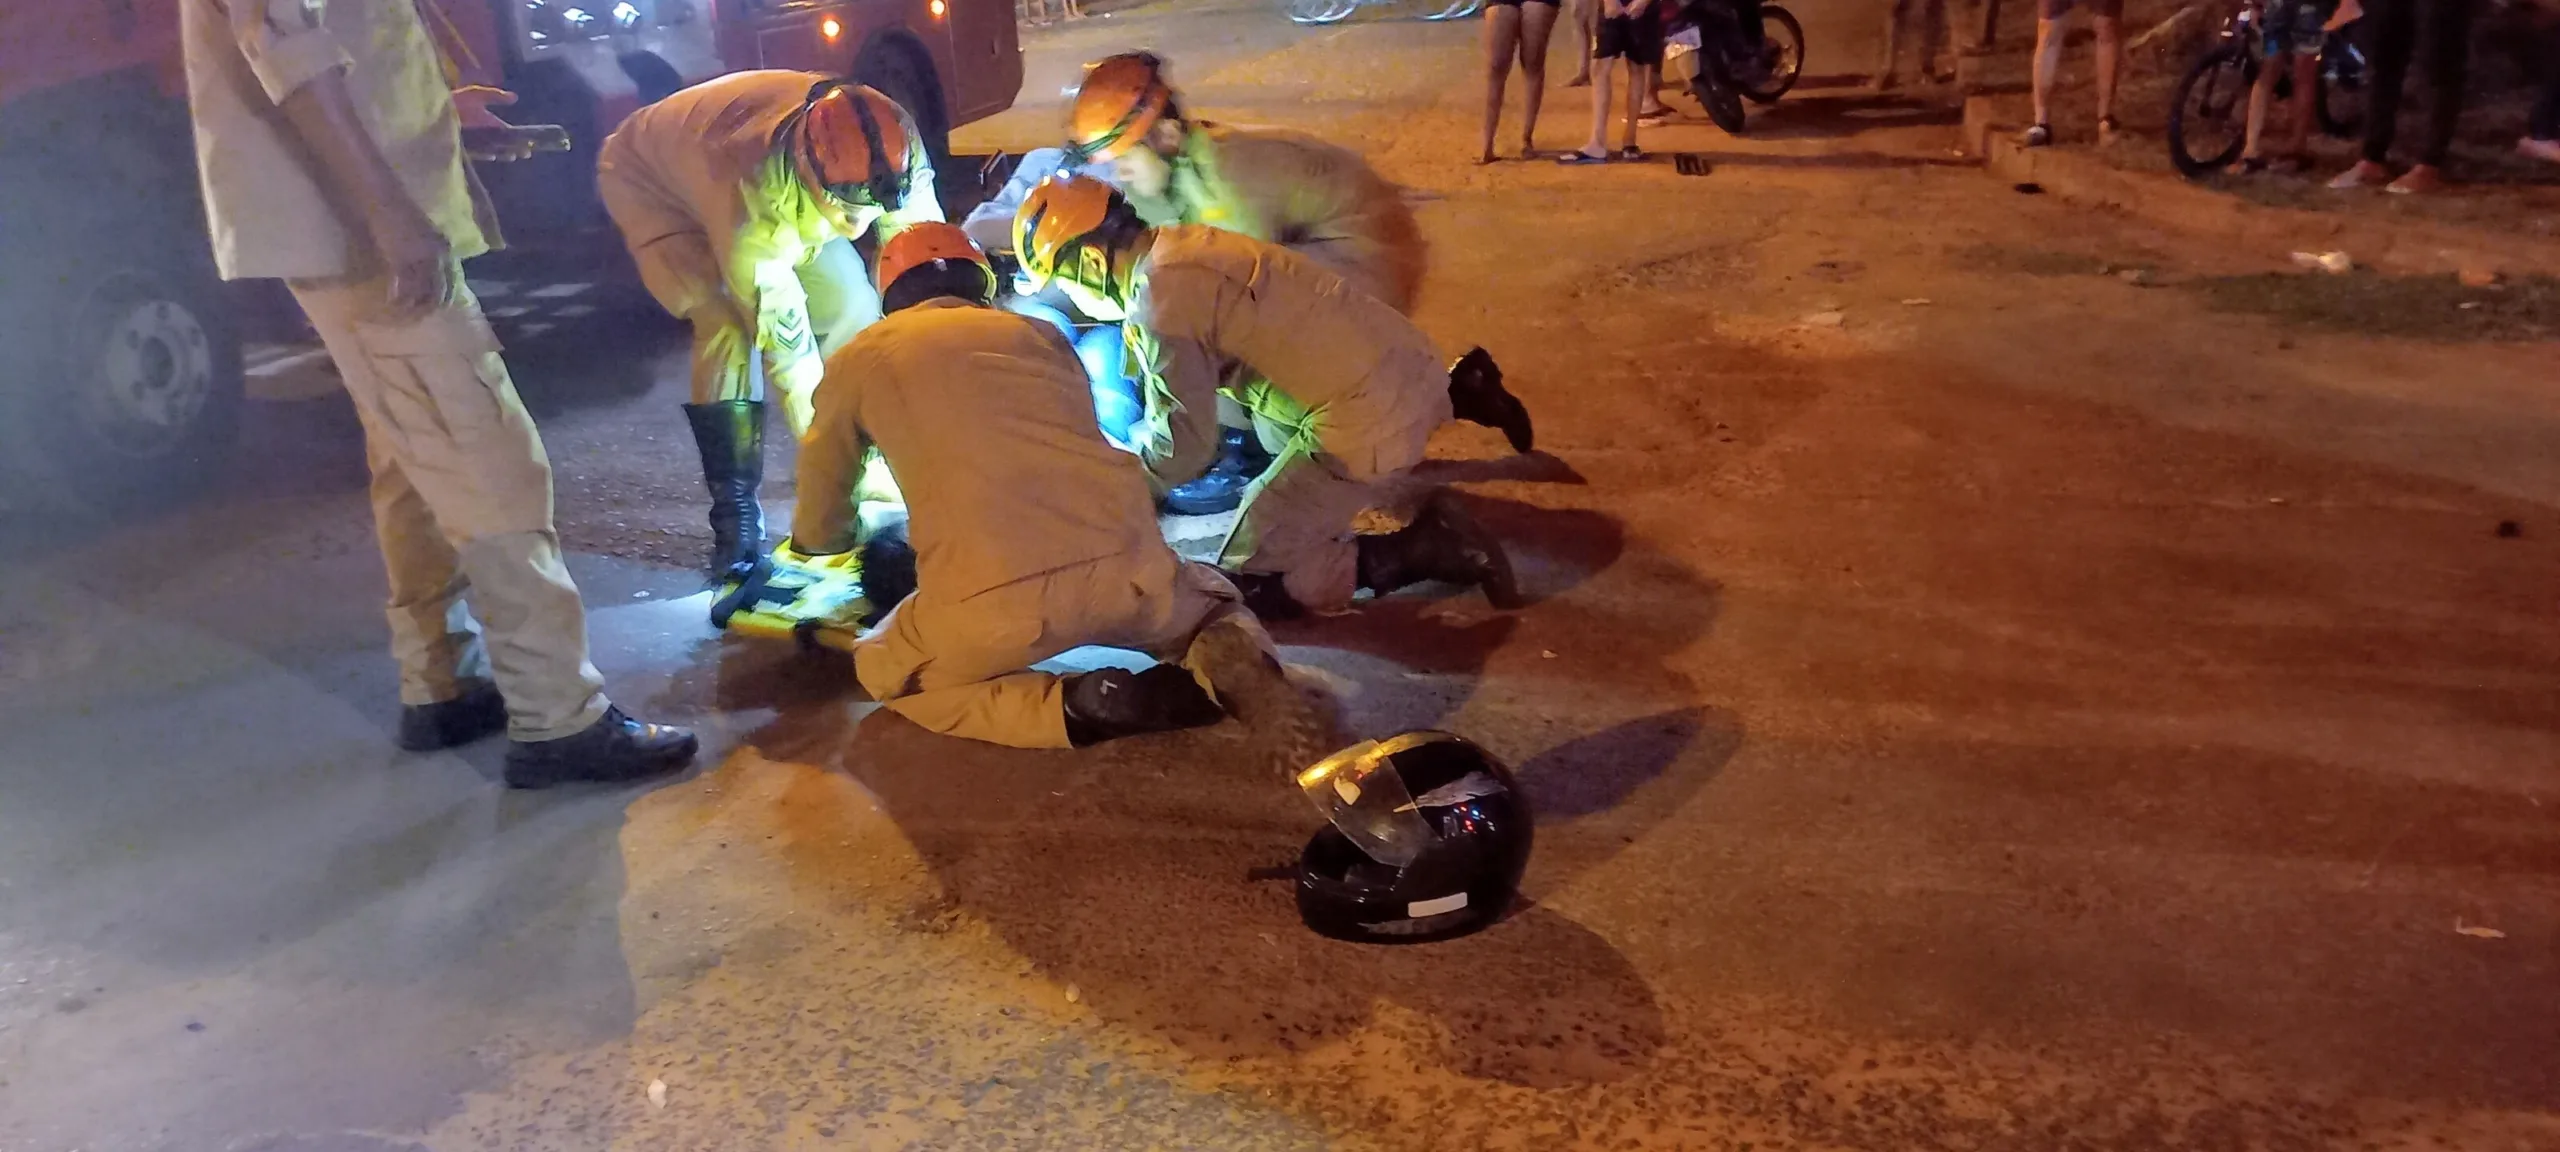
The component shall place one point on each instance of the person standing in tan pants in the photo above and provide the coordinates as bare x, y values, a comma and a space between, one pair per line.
330, 153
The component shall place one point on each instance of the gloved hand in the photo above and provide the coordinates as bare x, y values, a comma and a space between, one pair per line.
791, 592
823, 564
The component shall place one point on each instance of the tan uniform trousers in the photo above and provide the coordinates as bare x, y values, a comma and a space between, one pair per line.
462, 505
963, 667
1297, 518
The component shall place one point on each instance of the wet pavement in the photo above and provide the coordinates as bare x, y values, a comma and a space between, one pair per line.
1974, 699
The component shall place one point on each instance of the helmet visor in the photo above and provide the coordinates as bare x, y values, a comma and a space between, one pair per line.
1359, 792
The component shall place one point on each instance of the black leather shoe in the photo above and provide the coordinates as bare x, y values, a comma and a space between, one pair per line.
478, 712
615, 749
1443, 543
1109, 703
1476, 395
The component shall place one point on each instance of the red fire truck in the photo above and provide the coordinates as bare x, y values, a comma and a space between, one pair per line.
119, 349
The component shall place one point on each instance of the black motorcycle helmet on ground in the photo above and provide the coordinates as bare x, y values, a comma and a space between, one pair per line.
1427, 839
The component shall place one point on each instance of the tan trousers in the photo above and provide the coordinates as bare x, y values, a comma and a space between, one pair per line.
462, 506
1297, 518
962, 667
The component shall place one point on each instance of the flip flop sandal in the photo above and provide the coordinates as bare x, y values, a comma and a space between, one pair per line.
1578, 157
2039, 136
1631, 155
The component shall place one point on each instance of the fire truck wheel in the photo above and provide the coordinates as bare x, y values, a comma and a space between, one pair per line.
121, 385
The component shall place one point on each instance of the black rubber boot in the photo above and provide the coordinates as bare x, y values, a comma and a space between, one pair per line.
1442, 543
478, 712
1268, 595
1476, 395
730, 435
615, 749
1109, 703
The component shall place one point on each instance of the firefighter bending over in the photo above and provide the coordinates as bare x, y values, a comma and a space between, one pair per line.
740, 199
1291, 189
1348, 390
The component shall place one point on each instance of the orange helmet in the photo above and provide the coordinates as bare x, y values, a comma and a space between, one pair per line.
940, 245
853, 141
1120, 101
1060, 214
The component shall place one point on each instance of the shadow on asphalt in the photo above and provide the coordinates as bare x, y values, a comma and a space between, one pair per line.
1139, 872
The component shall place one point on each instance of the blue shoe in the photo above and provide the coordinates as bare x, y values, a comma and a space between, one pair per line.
1219, 491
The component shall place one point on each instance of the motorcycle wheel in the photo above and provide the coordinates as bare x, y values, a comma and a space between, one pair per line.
1716, 93
2208, 122
1786, 62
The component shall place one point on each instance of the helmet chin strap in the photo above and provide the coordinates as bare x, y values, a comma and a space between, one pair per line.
881, 184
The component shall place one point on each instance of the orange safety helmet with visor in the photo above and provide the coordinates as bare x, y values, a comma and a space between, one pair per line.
1122, 99
1056, 219
940, 248
853, 145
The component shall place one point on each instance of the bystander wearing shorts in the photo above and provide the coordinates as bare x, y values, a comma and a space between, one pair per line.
1637, 39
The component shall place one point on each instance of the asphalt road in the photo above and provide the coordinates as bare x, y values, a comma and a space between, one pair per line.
1975, 700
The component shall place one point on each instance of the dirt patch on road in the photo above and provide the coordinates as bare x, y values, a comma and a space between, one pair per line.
2416, 307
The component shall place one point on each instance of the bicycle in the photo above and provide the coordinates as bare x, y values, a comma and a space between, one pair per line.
2212, 101
1336, 11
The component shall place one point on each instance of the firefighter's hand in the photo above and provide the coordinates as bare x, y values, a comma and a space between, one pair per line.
471, 104
422, 276
787, 555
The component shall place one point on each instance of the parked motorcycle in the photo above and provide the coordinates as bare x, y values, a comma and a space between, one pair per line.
1726, 61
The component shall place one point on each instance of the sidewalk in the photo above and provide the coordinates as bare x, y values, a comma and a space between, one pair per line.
2504, 219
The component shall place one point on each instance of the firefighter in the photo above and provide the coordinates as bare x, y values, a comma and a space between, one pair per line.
740, 199
1290, 189
1030, 534
331, 156
1350, 391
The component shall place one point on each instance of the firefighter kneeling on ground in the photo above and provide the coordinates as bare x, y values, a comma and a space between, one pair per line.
740, 199
1349, 389
1031, 535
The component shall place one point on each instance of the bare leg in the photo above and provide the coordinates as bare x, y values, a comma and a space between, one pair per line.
1501, 41
1537, 24
2048, 63
1893, 18
1580, 19
2260, 94
1598, 145
2110, 61
2306, 81
1636, 92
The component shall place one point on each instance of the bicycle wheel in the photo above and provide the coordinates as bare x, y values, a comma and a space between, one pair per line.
2342, 93
1320, 11
1716, 93
2209, 120
1457, 10
1786, 55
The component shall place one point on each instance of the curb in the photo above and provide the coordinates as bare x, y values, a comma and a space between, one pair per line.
2398, 246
